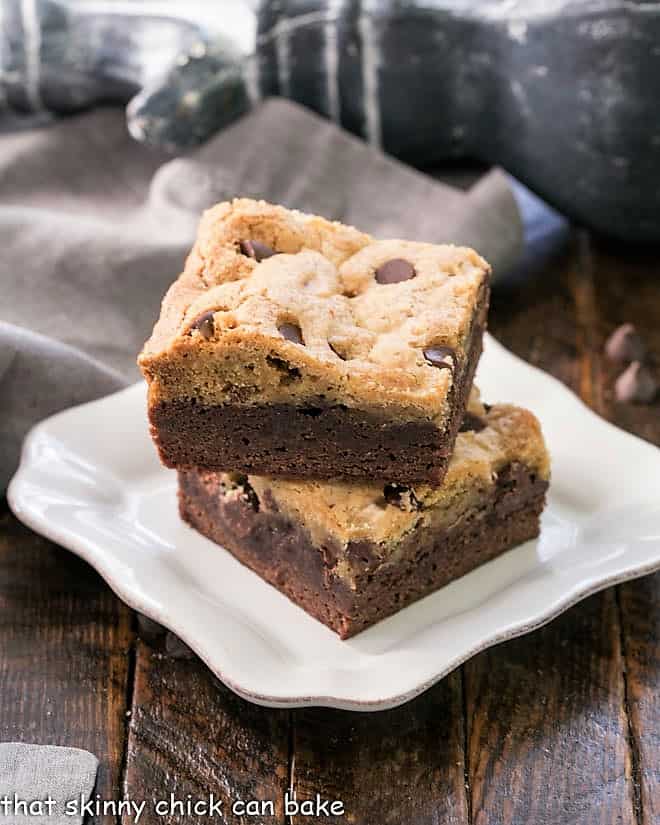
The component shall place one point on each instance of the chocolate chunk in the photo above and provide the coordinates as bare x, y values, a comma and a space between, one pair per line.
441, 357
291, 332
636, 383
625, 345
205, 325
256, 250
394, 271
401, 496
248, 494
472, 423
291, 373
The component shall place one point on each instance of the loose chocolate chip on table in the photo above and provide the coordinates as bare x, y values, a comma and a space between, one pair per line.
636, 383
256, 250
394, 271
472, 423
401, 496
205, 325
291, 332
625, 345
441, 357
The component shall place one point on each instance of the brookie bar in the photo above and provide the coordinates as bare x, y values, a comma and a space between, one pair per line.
351, 554
294, 346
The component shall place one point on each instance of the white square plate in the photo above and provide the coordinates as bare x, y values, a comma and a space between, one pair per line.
90, 480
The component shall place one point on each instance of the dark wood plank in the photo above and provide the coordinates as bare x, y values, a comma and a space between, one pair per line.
640, 608
547, 727
191, 737
64, 652
399, 766
628, 290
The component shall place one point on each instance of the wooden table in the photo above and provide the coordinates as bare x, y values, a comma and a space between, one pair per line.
561, 726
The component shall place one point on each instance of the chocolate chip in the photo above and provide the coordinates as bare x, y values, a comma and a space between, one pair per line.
472, 423
248, 493
394, 271
279, 364
291, 332
204, 323
441, 357
401, 496
625, 345
636, 383
392, 492
256, 250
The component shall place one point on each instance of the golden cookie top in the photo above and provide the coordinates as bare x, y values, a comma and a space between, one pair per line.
362, 321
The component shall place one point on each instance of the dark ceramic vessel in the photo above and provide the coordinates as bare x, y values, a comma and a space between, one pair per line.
562, 93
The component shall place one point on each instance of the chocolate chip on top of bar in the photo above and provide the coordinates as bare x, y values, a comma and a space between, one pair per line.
394, 271
256, 250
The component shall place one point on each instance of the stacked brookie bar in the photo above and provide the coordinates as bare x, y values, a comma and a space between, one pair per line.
313, 387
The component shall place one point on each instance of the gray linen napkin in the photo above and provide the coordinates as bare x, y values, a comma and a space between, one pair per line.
36, 773
94, 227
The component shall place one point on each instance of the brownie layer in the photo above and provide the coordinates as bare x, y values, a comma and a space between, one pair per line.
316, 440
282, 552
310, 441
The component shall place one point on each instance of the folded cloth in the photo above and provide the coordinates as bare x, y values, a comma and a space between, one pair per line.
94, 227
30, 775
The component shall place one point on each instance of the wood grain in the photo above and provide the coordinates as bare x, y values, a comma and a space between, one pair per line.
548, 735
547, 729
640, 609
64, 652
627, 289
191, 737
399, 766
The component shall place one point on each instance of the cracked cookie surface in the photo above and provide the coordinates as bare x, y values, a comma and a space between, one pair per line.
362, 339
